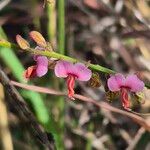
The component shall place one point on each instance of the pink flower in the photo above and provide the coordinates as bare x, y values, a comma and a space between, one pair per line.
129, 84
72, 72
40, 69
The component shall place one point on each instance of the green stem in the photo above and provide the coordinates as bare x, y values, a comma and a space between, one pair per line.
61, 48
51, 25
70, 59
63, 57
61, 26
58, 56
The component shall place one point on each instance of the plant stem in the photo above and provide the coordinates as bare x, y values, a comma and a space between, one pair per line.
70, 59
51, 25
61, 48
58, 56
61, 26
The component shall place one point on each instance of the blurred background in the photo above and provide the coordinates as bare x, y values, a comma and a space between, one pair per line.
111, 33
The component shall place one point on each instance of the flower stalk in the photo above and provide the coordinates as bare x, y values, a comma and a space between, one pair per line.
52, 54
58, 56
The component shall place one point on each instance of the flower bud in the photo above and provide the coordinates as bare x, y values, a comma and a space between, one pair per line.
38, 38
22, 42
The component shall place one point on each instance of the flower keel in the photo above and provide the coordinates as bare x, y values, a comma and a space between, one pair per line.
30, 72
125, 98
70, 85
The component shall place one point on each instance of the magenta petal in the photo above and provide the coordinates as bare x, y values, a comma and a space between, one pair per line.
82, 72
41, 70
42, 60
62, 68
42, 66
115, 82
134, 83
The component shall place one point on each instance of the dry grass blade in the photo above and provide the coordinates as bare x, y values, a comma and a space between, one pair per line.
24, 113
141, 121
134, 142
5, 134
37, 88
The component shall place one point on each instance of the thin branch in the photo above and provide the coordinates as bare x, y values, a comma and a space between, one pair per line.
141, 121
53, 54
61, 26
4, 3
56, 55
134, 142
136, 34
23, 112
37, 89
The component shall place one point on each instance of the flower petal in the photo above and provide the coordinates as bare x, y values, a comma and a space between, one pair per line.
42, 60
115, 82
42, 66
82, 72
41, 70
63, 68
133, 82
30, 72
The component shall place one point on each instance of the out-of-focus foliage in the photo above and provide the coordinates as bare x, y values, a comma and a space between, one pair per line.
112, 33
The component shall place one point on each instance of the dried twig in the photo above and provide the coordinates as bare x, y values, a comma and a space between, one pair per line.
4, 3
136, 34
136, 139
23, 112
141, 121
